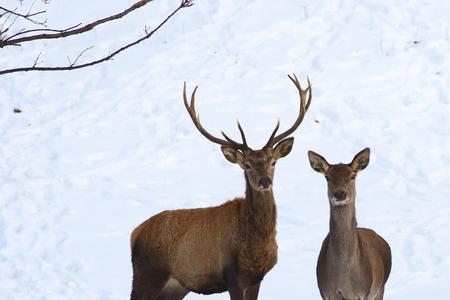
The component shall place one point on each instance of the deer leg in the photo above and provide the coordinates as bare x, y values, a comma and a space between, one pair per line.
148, 281
236, 293
380, 294
173, 294
147, 285
251, 293
173, 290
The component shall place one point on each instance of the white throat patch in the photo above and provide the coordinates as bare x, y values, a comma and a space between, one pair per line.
335, 202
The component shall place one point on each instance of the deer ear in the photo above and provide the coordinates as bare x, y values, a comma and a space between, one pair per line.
232, 155
283, 148
361, 160
318, 163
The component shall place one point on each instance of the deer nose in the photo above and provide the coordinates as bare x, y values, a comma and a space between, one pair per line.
265, 182
341, 195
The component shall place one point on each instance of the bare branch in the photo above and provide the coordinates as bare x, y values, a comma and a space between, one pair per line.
6, 26
28, 16
23, 31
36, 61
74, 66
79, 55
69, 32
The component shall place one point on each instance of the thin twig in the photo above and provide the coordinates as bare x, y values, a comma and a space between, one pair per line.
7, 26
36, 61
68, 32
81, 54
28, 16
73, 66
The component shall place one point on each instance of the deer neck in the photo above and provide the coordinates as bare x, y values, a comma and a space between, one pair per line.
260, 211
343, 239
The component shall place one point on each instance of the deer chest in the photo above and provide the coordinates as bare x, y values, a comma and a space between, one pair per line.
254, 263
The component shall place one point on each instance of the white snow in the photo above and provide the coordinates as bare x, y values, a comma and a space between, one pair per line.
97, 151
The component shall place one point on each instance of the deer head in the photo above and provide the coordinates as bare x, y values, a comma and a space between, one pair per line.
340, 177
258, 165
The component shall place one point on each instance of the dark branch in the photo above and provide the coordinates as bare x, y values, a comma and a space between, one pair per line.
81, 54
74, 66
36, 61
28, 16
69, 32
24, 31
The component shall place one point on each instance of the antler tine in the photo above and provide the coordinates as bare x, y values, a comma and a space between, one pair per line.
196, 120
244, 141
304, 106
269, 142
310, 94
195, 117
235, 144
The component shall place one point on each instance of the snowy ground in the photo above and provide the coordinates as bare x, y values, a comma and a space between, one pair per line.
97, 151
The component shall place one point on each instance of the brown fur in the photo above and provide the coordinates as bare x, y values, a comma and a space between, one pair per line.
354, 263
229, 247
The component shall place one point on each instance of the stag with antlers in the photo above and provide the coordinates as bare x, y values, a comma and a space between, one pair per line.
229, 247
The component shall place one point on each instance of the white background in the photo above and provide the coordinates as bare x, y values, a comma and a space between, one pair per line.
97, 151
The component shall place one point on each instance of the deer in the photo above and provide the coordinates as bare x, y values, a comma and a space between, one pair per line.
229, 247
354, 263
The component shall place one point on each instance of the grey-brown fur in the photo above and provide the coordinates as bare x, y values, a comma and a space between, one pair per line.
354, 263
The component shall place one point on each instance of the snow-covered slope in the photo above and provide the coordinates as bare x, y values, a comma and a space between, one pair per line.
97, 151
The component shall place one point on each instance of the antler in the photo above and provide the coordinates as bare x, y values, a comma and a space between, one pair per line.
304, 105
196, 119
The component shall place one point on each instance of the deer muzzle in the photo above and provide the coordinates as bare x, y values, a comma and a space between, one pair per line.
265, 183
340, 195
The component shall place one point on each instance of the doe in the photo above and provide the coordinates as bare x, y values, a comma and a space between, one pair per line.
210, 250
354, 263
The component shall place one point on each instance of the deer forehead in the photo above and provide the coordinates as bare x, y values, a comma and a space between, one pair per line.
340, 173
259, 156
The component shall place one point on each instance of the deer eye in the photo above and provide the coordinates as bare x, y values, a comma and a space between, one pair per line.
353, 177
273, 163
247, 166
